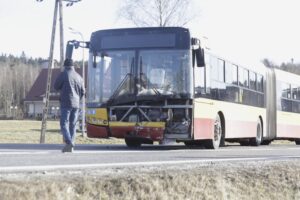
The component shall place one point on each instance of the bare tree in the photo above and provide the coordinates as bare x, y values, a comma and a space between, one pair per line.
17, 75
157, 12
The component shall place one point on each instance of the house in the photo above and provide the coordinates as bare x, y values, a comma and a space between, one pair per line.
35, 99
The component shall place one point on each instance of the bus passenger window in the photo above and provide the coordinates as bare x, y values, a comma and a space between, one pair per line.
260, 83
243, 77
230, 73
217, 69
214, 68
246, 78
199, 80
252, 78
286, 90
298, 93
221, 70
294, 92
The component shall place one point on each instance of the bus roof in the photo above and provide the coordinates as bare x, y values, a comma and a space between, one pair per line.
287, 77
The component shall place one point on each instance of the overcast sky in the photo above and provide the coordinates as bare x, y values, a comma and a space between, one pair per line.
241, 30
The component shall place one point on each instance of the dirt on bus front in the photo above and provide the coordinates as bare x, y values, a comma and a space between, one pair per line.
230, 180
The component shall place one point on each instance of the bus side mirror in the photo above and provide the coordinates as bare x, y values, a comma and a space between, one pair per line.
198, 56
69, 49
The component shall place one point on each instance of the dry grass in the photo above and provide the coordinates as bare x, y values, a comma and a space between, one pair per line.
26, 131
249, 180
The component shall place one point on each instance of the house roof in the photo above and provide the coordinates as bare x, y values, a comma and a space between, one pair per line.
38, 89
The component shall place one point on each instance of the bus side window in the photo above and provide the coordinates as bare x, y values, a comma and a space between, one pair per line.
298, 93
286, 90
221, 74
246, 78
202, 78
241, 76
294, 92
207, 70
252, 78
217, 69
230, 73
199, 81
214, 68
295, 103
260, 83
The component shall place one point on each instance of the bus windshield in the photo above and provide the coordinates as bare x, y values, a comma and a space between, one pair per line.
110, 70
119, 75
164, 72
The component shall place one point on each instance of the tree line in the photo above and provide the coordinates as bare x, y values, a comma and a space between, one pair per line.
17, 75
285, 66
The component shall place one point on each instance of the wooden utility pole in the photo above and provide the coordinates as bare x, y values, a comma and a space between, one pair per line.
58, 4
48, 85
61, 28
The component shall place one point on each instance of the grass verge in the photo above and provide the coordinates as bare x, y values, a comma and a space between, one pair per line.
248, 180
27, 131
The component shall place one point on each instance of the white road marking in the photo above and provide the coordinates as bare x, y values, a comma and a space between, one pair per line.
127, 164
23, 152
129, 151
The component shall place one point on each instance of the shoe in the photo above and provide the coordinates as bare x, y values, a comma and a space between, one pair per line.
68, 148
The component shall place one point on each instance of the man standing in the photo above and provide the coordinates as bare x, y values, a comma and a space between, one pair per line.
70, 85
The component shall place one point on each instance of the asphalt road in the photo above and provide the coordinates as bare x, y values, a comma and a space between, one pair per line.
32, 157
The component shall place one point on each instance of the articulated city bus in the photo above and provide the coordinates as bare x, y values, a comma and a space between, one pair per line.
156, 84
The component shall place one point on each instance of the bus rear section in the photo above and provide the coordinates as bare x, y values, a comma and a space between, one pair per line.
288, 106
229, 103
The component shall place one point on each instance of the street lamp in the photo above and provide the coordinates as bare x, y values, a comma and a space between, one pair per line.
83, 77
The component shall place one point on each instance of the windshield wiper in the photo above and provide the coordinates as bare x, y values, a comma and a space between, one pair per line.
124, 80
141, 79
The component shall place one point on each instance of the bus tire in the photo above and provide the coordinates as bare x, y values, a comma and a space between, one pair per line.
244, 142
189, 143
132, 142
194, 143
297, 142
266, 142
259, 135
218, 134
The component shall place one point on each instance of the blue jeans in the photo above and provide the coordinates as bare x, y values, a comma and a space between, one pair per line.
68, 120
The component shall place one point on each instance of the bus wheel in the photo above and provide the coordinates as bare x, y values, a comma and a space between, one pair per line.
189, 143
266, 142
259, 135
218, 132
297, 142
244, 142
193, 143
132, 142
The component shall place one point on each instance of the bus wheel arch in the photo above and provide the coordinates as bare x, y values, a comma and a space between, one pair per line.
258, 139
218, 134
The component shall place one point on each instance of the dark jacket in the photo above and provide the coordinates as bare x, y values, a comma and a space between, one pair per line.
70, 85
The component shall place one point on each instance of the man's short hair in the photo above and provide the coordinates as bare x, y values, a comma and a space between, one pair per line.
68, 62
